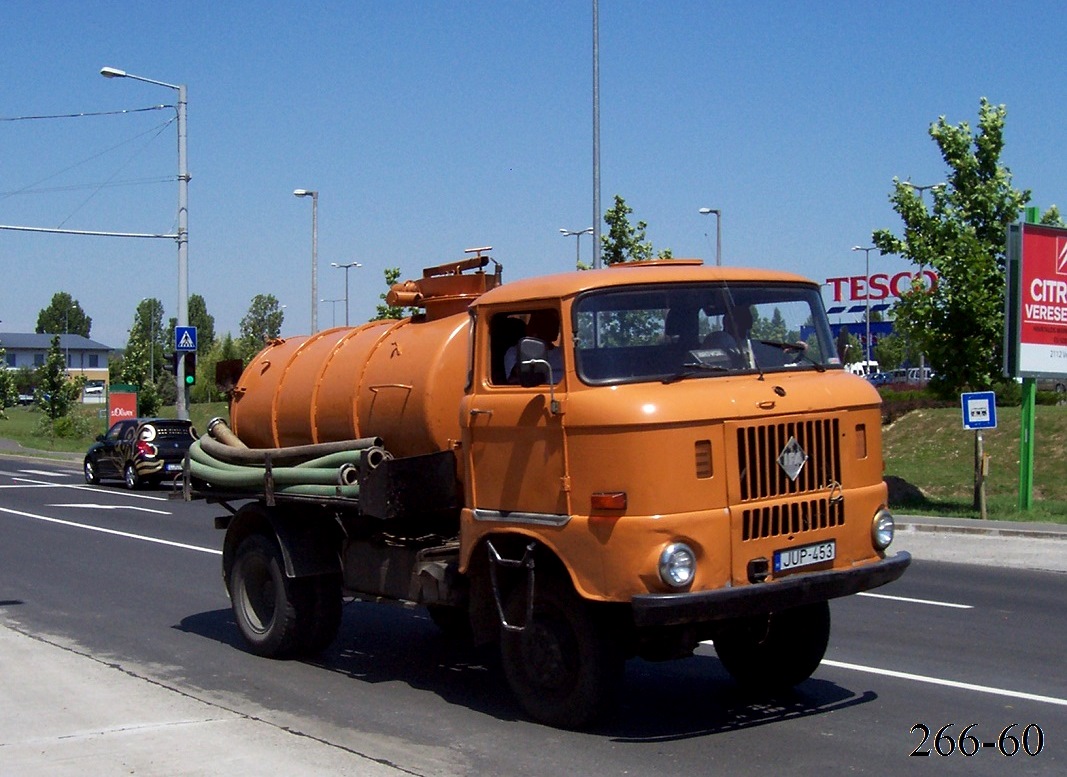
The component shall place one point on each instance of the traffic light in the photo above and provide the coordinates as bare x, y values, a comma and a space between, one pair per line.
170, 363
189, 359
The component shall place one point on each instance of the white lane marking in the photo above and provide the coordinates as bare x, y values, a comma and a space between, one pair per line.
102, 530
947, 683
114, 507
917, 601
46, 473
93, 489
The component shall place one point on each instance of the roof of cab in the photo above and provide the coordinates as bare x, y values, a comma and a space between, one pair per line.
569, 284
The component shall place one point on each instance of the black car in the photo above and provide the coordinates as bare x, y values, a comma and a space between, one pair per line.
139, 451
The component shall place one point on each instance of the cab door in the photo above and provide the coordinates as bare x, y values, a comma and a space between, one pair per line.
515, 438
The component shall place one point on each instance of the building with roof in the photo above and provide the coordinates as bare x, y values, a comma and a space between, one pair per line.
84, 356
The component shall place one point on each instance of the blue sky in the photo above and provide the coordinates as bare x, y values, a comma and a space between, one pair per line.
429, 127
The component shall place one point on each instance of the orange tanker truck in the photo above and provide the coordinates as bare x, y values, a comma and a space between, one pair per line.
582, 467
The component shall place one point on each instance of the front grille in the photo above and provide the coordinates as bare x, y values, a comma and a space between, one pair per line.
792, 518
758, 448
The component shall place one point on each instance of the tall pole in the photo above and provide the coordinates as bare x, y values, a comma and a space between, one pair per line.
314, 195
867, 285
182, 400
718, 232
346, 268
596, 133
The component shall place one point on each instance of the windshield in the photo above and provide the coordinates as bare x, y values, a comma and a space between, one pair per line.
700, 330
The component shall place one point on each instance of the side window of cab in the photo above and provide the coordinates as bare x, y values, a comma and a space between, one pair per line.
506, 334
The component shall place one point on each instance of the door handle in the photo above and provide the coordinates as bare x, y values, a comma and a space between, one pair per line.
476, 411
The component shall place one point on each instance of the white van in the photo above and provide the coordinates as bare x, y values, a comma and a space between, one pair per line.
863, 368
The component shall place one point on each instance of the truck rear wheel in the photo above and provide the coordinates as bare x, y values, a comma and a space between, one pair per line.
562, 667
775, 651
280, 616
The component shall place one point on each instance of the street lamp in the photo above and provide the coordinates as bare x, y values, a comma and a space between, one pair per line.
333, 307
314, 254
718, 233
181, 403
867, 283
577, 235
346, 268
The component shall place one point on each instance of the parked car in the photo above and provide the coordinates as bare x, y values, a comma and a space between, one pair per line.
139, 451
879, 378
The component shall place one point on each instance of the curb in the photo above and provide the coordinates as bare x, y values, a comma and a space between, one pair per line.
977, 527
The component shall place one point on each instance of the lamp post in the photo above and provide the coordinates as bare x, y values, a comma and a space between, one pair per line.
314, 254
867, 283
333, 307
181, 403
577, 235
718, 233
346, 268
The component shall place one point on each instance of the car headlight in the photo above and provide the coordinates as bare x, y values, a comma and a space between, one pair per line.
882, 528
677, 565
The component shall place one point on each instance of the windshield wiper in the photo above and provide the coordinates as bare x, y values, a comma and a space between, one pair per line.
802, 351
692, 368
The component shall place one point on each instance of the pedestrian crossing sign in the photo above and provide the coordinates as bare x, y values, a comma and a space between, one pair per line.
185, 338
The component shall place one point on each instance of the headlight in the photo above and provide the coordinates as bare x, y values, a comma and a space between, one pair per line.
882, 528
677, 565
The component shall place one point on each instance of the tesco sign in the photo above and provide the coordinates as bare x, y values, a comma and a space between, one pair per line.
878, 286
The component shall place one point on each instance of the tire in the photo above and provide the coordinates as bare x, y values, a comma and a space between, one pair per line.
266, 604
279, 616
776, 651
92, 476
563, 668
129, 475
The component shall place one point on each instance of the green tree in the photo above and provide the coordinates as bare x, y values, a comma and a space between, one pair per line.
624, 242
959, 321
146, 340
64, 315
1052, 218
9, 394
56, 392
261, 324
385, 311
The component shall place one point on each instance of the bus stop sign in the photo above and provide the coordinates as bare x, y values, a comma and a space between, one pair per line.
979, 410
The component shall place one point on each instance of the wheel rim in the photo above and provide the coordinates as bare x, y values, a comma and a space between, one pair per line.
90, 473
131, 476
257, 595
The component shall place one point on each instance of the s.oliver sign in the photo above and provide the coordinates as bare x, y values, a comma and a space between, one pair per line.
1036, 307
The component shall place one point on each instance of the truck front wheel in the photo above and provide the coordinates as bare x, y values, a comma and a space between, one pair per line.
280, 616
562, 667
776, 651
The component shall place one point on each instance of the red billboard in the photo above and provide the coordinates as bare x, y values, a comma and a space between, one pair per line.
121, 406
1042, 302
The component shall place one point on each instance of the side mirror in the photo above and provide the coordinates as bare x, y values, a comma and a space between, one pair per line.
100, 437
533, 368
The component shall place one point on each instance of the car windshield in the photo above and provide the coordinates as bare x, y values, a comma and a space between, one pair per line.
681, 331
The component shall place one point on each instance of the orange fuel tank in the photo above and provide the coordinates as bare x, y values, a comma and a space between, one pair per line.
398, 380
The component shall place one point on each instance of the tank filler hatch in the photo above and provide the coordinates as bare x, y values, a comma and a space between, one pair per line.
448, 288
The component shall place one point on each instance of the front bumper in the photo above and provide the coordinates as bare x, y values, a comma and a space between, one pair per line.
652, 610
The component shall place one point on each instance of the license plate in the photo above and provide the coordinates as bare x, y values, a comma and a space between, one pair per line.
173, 467
804, 556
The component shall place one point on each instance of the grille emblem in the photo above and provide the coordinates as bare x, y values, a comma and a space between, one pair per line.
792, 458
